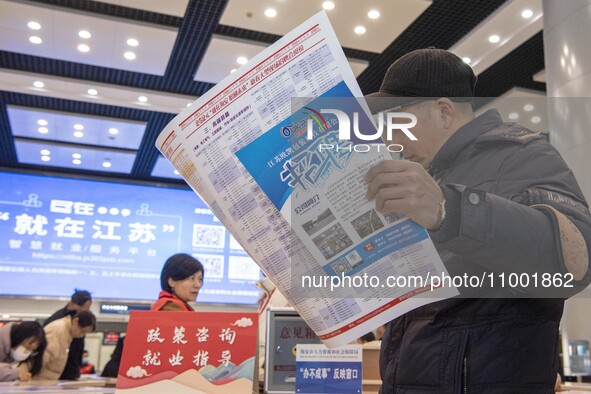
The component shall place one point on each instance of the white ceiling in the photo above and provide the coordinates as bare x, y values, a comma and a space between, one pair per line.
60, 27
69, 89
514, 102
62, 155
59, 33
164, 169
59, 126
396, 16
512, 29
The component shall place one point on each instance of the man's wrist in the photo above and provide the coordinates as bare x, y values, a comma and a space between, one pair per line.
450, 223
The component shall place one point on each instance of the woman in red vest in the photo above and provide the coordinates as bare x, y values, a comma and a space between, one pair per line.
181, 279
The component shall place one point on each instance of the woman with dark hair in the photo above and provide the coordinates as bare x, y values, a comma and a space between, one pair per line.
23, 343
181, 279
60, 334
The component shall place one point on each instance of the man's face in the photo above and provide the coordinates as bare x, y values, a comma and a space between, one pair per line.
427, 130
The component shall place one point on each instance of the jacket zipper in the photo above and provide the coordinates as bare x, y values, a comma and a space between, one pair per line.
465, 379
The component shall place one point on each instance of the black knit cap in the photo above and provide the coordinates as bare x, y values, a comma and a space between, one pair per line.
424, 73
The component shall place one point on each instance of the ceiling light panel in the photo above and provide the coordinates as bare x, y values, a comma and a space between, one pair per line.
61, 127
512, 107
175, 7
164, 169
70, 89
28, 152
60, 35
221, 54
507, 23
395, 17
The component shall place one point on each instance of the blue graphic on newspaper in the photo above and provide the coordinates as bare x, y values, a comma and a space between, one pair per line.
284, 160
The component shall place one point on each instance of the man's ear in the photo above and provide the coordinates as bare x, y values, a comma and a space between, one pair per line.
446, 111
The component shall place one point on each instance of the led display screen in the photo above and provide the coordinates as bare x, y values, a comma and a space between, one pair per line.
112, 239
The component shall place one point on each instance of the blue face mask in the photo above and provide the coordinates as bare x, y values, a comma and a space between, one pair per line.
85, 360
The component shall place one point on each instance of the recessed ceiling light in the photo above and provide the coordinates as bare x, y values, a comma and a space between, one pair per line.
270, 13
38, 84
42, 122
513, 115
43, 130
328, 5
76, 156
373, 14
77, 161
466, 59
189, 104
45, 158
106, 164
34, 25
35, 40
84, 34
242, 60
78, 126
78, 134
360, 30
142, 99
129, 55
113, 131
536, 119
494, 39
526, 14
83, 48
92, 92
45, 152
528, 107
176, 172
132, 42
5, 316
232, 71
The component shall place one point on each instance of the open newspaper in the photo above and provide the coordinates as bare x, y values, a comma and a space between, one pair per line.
252, 149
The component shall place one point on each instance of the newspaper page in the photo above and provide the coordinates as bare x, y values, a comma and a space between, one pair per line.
250, 148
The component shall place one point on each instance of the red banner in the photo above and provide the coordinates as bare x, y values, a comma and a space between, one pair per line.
208, 352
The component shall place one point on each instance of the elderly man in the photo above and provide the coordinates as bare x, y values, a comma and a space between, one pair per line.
496, 198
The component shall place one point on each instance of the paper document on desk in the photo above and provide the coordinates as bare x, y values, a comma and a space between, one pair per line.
299, 212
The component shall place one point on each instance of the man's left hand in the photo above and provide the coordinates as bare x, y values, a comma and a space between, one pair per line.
400, 186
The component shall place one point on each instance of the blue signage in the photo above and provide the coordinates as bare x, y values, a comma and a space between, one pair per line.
57, 234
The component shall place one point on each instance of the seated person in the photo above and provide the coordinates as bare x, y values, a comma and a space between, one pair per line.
87, 367
60, 334
112, 366
23, 343
181, 279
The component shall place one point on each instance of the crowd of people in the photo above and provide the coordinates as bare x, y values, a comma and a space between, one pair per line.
55, 350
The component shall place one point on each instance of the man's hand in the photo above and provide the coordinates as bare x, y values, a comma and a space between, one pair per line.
400, 186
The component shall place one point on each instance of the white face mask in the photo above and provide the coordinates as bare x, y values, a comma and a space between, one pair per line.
20, 353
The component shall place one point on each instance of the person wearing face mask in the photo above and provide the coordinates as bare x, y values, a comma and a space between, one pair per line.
60, 335
21, 343
87, 367
181, 279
